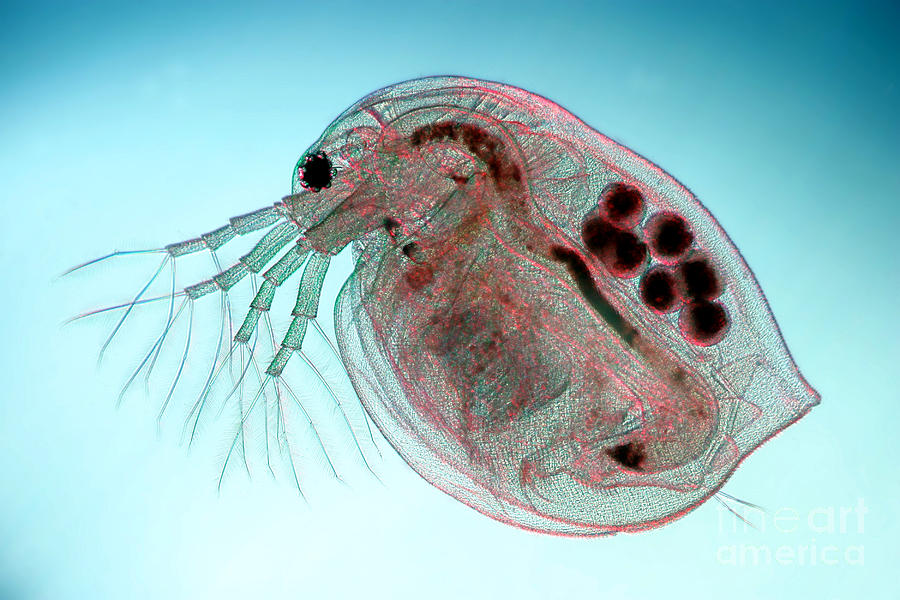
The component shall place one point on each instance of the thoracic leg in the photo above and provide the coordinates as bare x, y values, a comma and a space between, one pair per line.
260, 255
305, 310
306, 307
281, 232
252, 262
240, 225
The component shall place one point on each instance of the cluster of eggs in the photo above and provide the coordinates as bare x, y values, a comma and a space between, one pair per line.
678, 276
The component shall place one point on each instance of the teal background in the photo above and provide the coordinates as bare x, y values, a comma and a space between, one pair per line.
127, 126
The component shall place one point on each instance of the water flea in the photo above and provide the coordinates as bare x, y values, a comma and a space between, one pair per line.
530, 321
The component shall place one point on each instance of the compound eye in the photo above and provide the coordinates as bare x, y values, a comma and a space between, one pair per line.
316, 172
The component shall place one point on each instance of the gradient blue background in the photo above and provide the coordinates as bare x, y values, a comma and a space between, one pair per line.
130, 126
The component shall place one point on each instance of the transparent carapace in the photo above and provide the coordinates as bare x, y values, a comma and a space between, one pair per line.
545, 325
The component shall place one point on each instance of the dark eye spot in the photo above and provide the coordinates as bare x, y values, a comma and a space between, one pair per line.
658, 291
669, 236
316, 172
699, 280
704, 323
